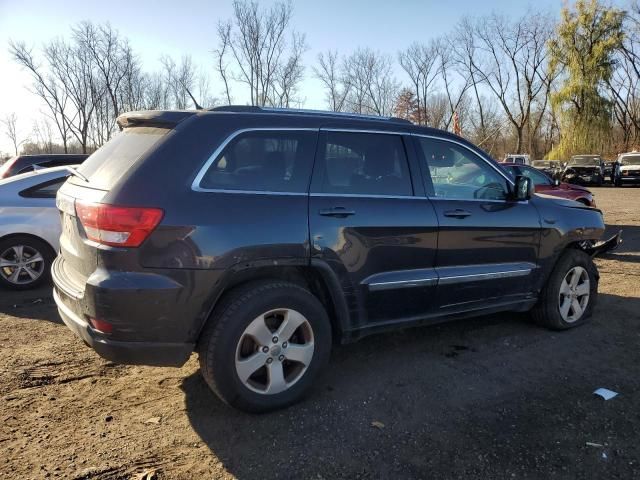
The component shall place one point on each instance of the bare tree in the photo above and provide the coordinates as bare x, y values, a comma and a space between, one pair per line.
336, 85
181, 79
420, 62
10, 123
624, 85
43, 135
47, 87
220, 54
513, 64
374, 89
456, 81
254, 51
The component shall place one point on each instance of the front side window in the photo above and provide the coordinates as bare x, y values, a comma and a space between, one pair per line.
459, 174
268, 161
364, 164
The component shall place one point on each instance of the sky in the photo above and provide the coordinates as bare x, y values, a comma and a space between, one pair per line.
157, 27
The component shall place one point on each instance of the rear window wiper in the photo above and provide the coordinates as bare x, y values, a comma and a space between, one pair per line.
75, 173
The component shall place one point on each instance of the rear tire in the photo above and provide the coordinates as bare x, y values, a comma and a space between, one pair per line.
571, 292
25, 262
264, 345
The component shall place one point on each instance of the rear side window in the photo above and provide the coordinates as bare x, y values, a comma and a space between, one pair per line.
44, 190
363, 164
265, 161
109, 163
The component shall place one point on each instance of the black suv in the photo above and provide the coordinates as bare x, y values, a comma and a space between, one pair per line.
257, 237
28, 163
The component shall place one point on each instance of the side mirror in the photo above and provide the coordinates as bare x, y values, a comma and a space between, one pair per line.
524, 188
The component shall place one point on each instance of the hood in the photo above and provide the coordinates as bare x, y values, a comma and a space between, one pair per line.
634, 166
579, 168
564, 202
571, 186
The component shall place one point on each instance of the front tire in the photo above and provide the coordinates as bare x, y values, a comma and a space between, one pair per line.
264, 345
571, 292
25, 262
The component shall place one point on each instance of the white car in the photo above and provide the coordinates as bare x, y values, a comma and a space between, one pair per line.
29, 226
628, 169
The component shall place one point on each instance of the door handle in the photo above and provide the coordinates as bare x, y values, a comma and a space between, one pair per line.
457, 213
339, 212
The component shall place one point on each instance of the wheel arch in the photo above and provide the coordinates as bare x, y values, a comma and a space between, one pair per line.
31, 236
318, 278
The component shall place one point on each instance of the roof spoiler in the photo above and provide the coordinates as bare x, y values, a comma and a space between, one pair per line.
153, 118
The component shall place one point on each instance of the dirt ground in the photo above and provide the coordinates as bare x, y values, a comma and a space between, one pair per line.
495, 397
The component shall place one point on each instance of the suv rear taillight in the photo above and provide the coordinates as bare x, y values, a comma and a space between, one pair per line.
117, 226
4, 170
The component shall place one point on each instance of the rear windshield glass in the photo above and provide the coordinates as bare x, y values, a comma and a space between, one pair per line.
110, 162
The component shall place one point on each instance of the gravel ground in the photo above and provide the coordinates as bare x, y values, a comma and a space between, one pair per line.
494, 397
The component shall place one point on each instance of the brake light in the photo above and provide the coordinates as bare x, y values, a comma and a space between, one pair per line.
117, 226
4, 170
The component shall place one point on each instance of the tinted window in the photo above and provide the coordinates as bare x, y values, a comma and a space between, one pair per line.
272, 161
458, 173
536, 177
44, 190
109, 163
364, 163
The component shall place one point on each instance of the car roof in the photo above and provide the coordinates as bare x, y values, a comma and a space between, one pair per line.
38, 175
264, 115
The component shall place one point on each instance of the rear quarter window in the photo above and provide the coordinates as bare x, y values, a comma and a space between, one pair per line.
109, 163
265, 161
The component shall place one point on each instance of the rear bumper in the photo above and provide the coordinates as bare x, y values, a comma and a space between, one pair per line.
133, 352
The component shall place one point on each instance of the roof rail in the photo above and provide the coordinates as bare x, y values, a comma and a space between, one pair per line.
294, 111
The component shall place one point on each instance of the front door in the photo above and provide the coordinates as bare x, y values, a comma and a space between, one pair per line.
367, 224
487, 242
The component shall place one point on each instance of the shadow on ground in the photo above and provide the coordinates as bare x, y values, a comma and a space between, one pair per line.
35, 304
493, 396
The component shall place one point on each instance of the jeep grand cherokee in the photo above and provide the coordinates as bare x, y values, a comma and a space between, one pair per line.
257, 237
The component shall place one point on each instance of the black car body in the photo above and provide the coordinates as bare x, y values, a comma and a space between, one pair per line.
584, 170
27, 163
365, 218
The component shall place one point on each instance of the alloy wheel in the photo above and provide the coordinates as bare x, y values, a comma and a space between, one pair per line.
274, 351
21, 264
573, 297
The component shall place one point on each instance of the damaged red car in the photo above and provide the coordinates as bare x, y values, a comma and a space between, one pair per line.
548, 186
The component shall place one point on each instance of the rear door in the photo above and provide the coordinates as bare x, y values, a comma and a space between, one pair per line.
487, 243
367, 224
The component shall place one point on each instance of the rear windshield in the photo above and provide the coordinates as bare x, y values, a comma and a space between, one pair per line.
110, 162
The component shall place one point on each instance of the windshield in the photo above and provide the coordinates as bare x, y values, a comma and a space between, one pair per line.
587, 161
542, 163
630, 160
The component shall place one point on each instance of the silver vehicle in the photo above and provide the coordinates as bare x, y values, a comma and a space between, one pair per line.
627, 170
29, 226
517, 158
